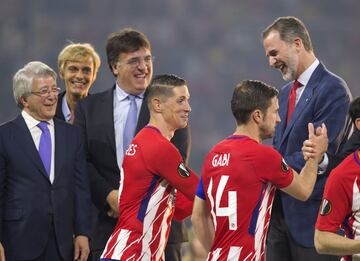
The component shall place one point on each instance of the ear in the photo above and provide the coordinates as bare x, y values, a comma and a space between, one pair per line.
357, 123
114, 69
23, 101
257, 116
156, 104
298, 43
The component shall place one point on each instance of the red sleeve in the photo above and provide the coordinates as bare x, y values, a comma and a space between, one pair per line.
271, 167
336, 203
183, 206
165, 160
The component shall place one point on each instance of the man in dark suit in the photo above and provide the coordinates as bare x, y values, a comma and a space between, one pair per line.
78, 64
45, 205
103, 119
353, 142
313, 95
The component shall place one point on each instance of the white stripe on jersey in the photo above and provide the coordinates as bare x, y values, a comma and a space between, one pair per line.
260, 223
149, 219
234, 253
121, 185
164, 229
211, 199
119, 248
215, 254
356, 197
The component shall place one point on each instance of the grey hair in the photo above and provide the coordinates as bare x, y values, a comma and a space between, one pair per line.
23, 79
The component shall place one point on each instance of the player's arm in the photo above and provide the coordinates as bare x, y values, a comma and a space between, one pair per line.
202, 224
331, 243
201, 219
302, 185
166, 161
183, 206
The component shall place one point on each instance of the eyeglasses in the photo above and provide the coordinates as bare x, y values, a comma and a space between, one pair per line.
136, 61
46, 92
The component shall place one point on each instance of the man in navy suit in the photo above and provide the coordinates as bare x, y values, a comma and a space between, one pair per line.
102, 117
78, 64
314, 95
45, 206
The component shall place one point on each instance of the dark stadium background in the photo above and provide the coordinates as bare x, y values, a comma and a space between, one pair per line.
213, 44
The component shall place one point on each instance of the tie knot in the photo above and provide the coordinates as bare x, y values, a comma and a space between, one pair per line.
43, 126
296, 85
131, 97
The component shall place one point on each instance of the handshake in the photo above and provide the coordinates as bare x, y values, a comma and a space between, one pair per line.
317, 143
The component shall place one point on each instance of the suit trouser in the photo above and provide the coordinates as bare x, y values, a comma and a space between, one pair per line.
280, 246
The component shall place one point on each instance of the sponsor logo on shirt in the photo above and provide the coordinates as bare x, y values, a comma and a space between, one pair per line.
284, 165
325, 207
183, 172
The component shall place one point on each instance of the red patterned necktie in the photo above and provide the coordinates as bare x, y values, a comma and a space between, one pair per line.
292, 99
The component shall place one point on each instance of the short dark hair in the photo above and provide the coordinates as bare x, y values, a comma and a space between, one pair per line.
354, 110
250, 95
126, 41
163, 85
290, 27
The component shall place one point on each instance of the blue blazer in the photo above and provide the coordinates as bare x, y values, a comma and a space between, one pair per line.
325, 99
30, 204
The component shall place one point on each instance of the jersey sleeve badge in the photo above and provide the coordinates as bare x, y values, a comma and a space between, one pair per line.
325, 207
284, 165
182, 170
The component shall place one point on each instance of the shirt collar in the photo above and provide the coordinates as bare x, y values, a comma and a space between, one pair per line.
65, 109
31, 122
121, 95
305, 76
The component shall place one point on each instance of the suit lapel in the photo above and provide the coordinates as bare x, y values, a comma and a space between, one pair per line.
60, 148
144, 116
59, 113
304, 100
23, 137
107, 109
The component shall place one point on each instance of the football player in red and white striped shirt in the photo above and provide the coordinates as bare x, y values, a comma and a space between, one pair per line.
155, 184
240, 175
340, 208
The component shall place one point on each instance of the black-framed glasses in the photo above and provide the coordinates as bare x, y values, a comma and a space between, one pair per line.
136, 61
46, 92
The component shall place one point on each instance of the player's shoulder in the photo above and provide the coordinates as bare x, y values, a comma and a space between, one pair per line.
150, 138
346, 170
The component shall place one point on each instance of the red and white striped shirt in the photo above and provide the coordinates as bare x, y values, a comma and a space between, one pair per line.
340, 206
239, 177
152, 172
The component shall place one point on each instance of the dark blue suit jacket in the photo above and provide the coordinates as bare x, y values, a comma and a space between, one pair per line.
30, 204
325, 99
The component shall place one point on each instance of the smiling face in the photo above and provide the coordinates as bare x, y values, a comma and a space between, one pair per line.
176, 108
78, 76
41, 108
134, 70
282, 55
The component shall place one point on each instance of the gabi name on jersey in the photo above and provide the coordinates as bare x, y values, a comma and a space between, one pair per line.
221, 160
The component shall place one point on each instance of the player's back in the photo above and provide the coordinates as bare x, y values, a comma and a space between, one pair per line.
240, 197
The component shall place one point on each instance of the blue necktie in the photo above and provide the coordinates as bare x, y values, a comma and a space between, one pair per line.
130, 124
45, 146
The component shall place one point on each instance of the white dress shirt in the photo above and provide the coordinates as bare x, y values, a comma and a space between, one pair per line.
121, 108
